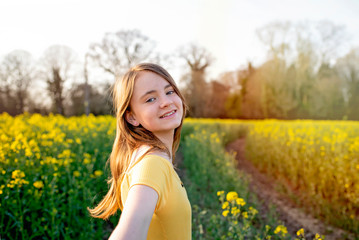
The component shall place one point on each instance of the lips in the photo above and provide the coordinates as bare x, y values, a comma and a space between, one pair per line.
167, 114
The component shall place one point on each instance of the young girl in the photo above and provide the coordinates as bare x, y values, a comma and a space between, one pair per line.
144, 185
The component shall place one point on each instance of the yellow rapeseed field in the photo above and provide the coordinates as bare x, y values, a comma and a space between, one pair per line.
317, 160
52, 168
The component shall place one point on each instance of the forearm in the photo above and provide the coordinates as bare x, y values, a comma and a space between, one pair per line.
126, 230
116, 234
137, 214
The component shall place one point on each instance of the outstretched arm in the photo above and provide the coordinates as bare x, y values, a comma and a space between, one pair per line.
137, 214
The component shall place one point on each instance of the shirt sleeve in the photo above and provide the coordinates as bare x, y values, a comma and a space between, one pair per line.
153, 172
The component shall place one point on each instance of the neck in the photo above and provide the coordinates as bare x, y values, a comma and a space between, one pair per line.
167, 139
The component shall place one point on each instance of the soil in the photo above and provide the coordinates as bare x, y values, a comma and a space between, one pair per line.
291, 215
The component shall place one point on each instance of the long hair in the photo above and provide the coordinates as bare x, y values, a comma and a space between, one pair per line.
128, 137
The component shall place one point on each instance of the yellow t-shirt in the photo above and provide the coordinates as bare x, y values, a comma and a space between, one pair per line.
172, 216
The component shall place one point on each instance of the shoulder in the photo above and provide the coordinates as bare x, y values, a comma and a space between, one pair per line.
153, 171
158, 155
154, 161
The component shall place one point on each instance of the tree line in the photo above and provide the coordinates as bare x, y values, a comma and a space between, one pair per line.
303, 76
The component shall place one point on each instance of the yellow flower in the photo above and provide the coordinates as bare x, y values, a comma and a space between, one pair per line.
253, 211
300, 232
235, 211
76, 173
240, 201
231, 196
280, 229
28, 152
17, 174
225, 205
98, 173
225, 213
38, 184
318, 237
219, 193
87, 161
245, 215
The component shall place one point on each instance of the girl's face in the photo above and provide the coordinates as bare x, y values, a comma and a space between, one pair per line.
154, 104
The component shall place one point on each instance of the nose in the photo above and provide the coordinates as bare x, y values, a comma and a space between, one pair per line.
166, 101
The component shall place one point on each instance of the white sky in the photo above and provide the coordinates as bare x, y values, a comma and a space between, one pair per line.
225, 27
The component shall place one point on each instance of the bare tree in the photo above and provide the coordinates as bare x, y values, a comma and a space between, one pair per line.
3, 85
278, 38
297, 53
86, 87
198, 59
97, 98
18, 72
59, 66
242, 85
218, 94
348, 70
331, 37
328, 100
121, 50
287, 40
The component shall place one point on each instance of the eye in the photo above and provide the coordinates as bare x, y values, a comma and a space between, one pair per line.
150, 100
170, 92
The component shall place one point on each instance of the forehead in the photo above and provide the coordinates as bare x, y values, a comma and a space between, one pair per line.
148, 81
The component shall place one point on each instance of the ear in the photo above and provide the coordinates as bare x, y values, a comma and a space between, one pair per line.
131, 119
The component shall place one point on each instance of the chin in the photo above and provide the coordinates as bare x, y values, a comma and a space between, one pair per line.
170, 127
174, 126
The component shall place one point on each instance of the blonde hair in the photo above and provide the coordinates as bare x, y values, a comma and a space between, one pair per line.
128, 137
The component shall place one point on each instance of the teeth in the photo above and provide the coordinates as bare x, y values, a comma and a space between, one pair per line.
168, 114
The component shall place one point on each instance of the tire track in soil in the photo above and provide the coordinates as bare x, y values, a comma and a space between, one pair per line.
292, 217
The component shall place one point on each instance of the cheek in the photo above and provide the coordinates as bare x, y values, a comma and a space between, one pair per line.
179, 104
149, 113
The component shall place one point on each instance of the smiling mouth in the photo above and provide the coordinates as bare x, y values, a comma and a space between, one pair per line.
168, 114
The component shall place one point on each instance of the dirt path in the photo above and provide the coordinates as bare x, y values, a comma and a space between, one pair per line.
292, 217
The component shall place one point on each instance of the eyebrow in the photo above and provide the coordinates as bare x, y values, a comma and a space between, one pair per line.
153, 91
